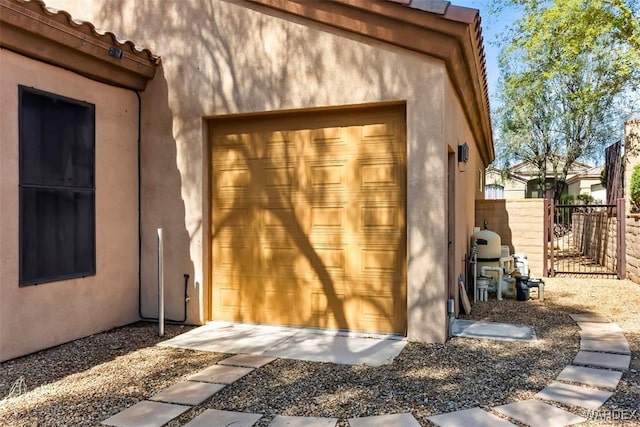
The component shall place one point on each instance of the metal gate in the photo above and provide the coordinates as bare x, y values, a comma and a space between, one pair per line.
584, 239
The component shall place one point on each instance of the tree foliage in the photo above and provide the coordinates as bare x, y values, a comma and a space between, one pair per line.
567, 69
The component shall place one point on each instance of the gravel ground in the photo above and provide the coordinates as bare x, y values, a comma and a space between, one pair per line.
88, 380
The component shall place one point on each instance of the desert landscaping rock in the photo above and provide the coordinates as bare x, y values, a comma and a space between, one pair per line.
592, 318
89, 380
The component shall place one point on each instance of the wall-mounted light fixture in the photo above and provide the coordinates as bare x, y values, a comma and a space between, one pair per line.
115, 52
463, 153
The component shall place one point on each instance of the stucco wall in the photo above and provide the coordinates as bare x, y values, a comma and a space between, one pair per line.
275, 62
520, 224
469, 181
632, 240
36, 317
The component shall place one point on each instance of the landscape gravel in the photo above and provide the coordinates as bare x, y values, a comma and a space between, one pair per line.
83, 382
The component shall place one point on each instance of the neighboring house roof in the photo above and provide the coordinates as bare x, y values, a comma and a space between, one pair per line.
526, 171
34, 30
430, 27
593, 173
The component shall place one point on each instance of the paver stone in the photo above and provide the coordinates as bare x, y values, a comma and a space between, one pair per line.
146, 414
285, 421
217, 418
220, 374
602, 378
539, 414
603, 360
389, 420
247, 360
188, 392
475, 417
574, 395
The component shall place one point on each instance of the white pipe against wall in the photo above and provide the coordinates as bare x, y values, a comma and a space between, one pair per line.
486, 268
160, 285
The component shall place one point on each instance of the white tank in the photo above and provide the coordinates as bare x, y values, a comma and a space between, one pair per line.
489, 247
488, 244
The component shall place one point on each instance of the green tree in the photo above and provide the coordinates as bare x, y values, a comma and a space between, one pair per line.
569, 74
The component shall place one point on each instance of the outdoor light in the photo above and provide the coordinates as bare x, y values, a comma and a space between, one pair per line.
463, 153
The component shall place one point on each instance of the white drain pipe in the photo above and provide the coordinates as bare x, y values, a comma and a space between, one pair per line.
486, 268
160, 285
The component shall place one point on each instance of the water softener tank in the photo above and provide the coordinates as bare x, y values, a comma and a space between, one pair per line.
489, 249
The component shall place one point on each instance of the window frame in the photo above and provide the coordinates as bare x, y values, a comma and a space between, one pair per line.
61, 189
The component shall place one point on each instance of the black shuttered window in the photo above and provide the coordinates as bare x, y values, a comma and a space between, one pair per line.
57, 187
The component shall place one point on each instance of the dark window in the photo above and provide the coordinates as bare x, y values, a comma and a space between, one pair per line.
57, 191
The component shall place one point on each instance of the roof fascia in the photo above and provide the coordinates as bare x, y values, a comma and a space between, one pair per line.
30, 29
453, 37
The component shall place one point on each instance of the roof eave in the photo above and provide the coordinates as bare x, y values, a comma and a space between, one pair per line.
32, 30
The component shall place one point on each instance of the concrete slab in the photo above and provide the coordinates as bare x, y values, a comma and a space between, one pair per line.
602, 335
216, 418
602, 360
220, 374
493, 331
390, 420
601, 378
225, 337
574, 395
475, 417
284, 342
247, 360
146, 414
346, 350
187, 393
284, 421
606, 346
595, 318
599, 327
539, 414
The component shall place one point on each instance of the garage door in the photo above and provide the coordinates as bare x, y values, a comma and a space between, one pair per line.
308, 219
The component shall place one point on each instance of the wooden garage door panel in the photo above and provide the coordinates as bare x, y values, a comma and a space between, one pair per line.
308, 220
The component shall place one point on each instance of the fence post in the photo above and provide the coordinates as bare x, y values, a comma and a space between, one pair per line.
621, 244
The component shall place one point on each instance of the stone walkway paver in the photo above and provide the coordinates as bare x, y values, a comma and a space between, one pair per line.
216, 418
584, 397
539, 414
602, 344
146, 414
220, 374
284, 421
600, 378
595, 318
599, 327
247, 361
607, 346
187, 393
389, 420
475, 417
601, 335
603, 360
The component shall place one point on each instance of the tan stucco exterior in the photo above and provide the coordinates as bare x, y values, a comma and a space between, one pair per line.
37, 317
282, 62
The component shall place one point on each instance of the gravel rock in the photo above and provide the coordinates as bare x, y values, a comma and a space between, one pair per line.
88, 380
